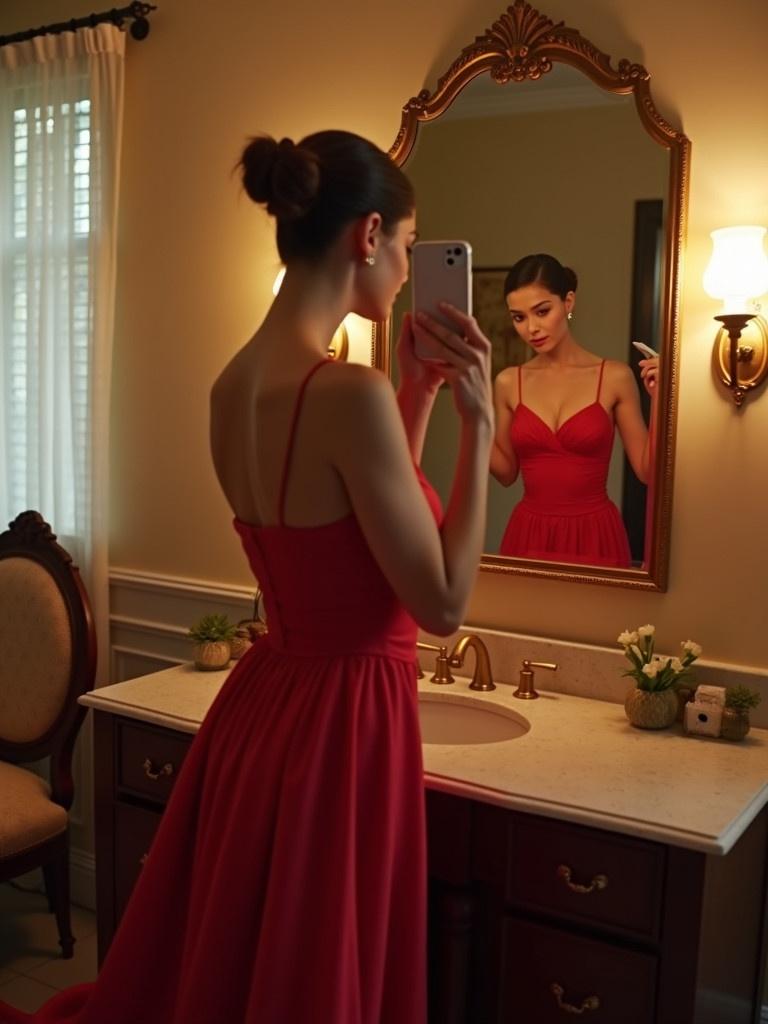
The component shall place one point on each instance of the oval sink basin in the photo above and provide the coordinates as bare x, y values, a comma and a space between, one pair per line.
466, 721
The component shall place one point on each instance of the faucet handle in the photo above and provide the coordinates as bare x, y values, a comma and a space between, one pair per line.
442, 665
526, 690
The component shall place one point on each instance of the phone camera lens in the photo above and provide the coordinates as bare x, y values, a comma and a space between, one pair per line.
457, 251
449, 261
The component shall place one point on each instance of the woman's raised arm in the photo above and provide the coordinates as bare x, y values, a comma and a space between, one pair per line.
431, 569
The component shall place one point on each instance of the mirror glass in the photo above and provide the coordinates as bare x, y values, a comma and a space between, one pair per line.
560, 166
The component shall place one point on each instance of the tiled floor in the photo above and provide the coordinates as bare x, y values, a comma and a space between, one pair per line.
31, 968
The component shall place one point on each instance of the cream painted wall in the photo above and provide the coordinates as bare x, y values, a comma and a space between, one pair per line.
197, 262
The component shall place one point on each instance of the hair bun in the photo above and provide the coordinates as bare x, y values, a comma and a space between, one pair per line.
571, 280
283, 176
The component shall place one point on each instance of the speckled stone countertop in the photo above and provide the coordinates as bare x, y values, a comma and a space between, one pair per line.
579, 760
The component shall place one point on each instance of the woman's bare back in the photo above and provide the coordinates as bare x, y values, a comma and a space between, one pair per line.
253, 403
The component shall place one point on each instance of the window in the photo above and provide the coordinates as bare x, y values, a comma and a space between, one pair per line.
45, 362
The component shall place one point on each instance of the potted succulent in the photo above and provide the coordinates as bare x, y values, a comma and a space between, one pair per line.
652, 703
212, 637
739, 700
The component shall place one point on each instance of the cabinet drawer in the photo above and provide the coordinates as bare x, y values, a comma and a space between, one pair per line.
149, 759
549, 976
135, 829
586, 875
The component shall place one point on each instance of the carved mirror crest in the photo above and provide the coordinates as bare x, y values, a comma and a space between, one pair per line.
531, 142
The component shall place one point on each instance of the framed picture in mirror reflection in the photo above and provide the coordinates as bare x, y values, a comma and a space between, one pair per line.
490, 311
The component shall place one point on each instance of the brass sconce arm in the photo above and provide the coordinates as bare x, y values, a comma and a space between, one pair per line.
741, 367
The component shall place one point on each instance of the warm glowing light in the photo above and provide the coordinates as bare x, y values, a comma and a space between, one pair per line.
278, 280
737, 271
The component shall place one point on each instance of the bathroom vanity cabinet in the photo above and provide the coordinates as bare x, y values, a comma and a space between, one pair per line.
537, 920
585, 870
136, 766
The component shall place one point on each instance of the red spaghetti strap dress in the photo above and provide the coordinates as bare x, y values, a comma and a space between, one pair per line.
565, 513
287, 881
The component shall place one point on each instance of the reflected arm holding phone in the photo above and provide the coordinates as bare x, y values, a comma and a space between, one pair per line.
416, 392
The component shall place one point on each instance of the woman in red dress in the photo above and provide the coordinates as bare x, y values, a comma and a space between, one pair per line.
286, 883
555, 421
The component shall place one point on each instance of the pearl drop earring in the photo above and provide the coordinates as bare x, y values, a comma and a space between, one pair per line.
370, 260
570, 316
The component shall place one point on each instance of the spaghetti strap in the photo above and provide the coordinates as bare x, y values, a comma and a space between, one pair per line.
519, 383
291, 438
600, 381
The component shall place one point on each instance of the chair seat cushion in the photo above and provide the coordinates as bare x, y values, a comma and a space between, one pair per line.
28, 816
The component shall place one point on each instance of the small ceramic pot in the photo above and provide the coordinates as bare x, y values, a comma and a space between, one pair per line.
649, 710
240, 643
212, 655
735, 724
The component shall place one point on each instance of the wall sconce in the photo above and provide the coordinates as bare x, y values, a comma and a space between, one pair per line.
737, 273
339, 347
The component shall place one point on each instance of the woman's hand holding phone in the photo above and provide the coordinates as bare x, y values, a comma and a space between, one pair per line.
462, 357
420, 372
649, 366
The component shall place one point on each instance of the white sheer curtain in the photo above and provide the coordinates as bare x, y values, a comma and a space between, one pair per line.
61, 105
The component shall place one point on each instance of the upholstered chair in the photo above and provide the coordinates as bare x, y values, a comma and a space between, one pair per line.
47, 659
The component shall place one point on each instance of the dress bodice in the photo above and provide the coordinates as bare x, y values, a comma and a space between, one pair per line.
566, 466
324, 592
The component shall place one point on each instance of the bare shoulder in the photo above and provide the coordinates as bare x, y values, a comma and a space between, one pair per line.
618, 373
353, 394
619, 380
230, 375
505, 383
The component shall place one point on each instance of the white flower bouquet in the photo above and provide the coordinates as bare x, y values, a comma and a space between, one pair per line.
656, 672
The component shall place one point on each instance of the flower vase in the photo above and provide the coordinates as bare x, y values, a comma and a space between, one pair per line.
735, 724
651, 709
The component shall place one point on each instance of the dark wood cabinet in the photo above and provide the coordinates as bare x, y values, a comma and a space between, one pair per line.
532, 920
136, 766
560, 920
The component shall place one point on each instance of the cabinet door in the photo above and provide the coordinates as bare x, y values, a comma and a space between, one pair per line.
550, 976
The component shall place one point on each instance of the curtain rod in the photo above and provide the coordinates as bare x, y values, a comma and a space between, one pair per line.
137, 10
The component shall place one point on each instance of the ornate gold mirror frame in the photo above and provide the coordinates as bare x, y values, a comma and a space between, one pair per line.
523, 45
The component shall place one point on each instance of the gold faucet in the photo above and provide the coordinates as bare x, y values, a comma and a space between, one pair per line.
526, 690
481, 680
442, 669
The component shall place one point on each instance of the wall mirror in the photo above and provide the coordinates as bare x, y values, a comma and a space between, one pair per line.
533, 142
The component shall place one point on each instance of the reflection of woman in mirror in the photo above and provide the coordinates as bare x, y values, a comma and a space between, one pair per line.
555, 421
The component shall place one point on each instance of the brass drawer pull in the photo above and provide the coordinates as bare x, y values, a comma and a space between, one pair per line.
156, 773
598, 883
590, 1003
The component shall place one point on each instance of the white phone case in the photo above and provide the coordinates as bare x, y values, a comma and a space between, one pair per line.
441, 272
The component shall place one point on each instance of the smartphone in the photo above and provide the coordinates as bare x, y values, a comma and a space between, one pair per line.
645, 350
440, 272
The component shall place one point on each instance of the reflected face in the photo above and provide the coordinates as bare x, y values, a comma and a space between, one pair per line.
382, 282
540, 317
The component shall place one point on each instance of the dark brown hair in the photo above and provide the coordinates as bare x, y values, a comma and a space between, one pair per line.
315, 187
540, 268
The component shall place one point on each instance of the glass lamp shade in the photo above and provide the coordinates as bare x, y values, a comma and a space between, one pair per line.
738, 268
